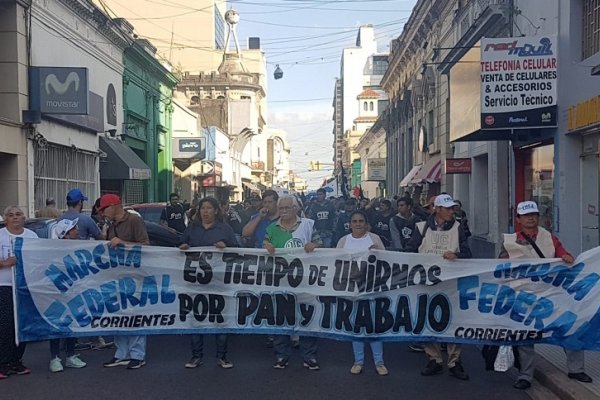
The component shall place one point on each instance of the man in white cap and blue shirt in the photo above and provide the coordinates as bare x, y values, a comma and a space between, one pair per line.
443, 235
533, 241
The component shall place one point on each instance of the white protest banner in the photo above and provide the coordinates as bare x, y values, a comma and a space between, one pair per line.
77, 288
519, 82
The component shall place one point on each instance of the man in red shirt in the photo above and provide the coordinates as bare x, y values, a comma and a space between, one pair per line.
533, 241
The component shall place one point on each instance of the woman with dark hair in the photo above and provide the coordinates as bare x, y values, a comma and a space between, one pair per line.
208, 230
360, 239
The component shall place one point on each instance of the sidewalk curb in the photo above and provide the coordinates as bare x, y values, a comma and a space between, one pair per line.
559, 384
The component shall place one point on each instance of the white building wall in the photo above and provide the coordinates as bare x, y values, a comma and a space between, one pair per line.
61, 38
354, 67
185, 124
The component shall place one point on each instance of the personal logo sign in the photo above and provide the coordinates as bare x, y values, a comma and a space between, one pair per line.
518, 82
81, 288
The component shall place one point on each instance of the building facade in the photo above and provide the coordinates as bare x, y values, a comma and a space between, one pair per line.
15, 136
178, 38
437, 116
83, 51
361, 67
148, 112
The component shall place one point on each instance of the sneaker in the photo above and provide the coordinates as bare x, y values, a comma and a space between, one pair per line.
115, 362
381, 370
4, 371
19, 369
102, 344
580, 376
356, 369
194, 362
223, 362
312, 365
432, 368
417, 348
56, 365
458, 372
75, 362
280, 363
136, 364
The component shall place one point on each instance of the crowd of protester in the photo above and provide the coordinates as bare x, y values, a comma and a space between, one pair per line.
266, 221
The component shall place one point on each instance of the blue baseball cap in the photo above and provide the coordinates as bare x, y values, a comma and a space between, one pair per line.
75, 195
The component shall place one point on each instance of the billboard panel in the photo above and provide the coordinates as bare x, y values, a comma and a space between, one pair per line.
518, 82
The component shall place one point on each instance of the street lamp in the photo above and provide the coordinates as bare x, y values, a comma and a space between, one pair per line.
278, 74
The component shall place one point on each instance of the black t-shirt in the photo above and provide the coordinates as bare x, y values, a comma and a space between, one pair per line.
324, 216
175, 217
380, 225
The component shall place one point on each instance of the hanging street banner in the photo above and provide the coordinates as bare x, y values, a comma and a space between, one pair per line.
518, 82
83, 288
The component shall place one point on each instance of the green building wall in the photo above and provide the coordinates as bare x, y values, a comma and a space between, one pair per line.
148, 110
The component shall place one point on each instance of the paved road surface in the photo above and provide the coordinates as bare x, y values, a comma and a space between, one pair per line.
164, 377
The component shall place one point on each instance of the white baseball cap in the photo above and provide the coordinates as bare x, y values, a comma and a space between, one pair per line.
527, 207
64, 226
444, 200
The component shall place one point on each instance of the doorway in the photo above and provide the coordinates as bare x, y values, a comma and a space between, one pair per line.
590, 213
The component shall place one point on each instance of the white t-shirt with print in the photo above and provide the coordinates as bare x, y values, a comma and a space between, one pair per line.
7, 241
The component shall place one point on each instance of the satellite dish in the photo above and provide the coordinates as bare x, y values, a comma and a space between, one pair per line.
278, 74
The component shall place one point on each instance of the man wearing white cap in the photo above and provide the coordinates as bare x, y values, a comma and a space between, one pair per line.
441, 234
533, 241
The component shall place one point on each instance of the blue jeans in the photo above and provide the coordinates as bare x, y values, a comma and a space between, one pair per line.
198, 345
130, 347
69, 347
376, 349
283, 347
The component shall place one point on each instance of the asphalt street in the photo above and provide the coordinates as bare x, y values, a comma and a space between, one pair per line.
164, 376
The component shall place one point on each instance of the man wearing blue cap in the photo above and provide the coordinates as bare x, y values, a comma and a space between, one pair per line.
88, 229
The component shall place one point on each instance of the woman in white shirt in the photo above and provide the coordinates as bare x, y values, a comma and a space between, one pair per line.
10, 354
361, 239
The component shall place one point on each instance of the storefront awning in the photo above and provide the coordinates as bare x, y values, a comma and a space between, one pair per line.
430, 173
121, 162
251, 186
411, 174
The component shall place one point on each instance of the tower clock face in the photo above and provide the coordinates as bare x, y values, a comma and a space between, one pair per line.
422, 142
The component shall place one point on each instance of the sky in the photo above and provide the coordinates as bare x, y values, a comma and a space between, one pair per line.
305, 38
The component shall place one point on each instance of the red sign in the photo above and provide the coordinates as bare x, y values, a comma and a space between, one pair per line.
208, 181
458, 165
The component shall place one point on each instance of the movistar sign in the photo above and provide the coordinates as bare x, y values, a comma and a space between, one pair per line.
59, 90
